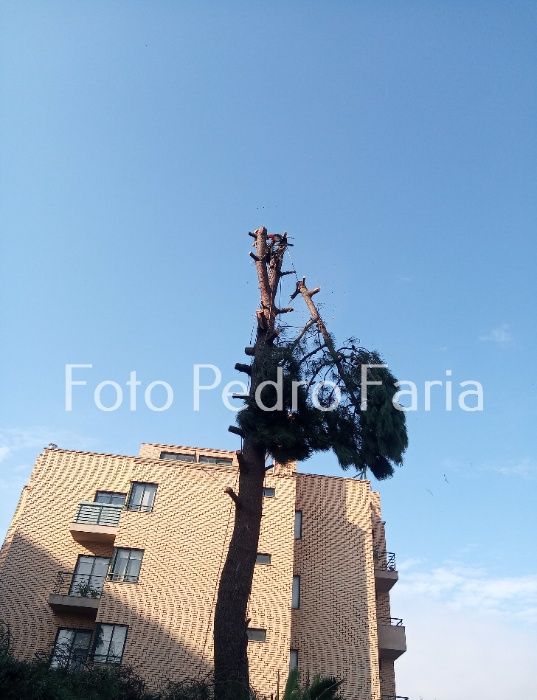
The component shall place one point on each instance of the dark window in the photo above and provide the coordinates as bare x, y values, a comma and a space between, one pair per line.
112, 497
70, 648
255, 634
178, 456
208, 459
298, 524
89, 576
109, 643
269, 492
126, 564
142, 496
293, 659
295, 596
263, 558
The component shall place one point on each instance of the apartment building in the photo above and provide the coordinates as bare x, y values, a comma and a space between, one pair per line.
116, 559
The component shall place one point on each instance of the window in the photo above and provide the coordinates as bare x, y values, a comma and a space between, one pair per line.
263, 558
142, 496
88, 577
298, 524
126, 564
111, 497
70, 648
295, 596
207, 459
255, 634
109, 643
293, 659
269, 492
178, 456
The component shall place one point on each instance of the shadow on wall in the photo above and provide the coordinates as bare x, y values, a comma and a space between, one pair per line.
154, 649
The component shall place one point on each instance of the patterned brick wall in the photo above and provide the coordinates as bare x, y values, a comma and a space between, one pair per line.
387, 670
170, 610
335, 628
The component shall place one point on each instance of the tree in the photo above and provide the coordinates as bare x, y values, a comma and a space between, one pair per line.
322, 406
320, 688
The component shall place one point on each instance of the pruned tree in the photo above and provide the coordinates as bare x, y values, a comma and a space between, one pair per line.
321, 404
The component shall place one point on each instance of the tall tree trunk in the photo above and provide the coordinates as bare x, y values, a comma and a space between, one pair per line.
230, 641
231, 674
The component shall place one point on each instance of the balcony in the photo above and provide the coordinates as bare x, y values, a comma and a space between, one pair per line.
76, 593
96, 522
392, 638
385, 570
394, 697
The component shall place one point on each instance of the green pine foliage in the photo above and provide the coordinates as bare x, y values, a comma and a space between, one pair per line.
373, 439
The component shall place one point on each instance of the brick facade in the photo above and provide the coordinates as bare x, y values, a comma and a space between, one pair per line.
169, 610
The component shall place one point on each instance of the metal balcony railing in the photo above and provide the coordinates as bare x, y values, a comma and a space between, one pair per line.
71, 583
90, 513
390, 621
393, 697
385, 561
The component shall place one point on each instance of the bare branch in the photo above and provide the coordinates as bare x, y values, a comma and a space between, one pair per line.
312, 353
302, 333
306, 295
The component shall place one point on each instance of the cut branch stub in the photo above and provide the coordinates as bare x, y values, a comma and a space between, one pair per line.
233, 496
241, 367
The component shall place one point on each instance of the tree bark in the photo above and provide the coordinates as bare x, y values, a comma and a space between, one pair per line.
231, 676
230, 641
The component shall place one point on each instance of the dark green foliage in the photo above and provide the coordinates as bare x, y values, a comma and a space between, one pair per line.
320, 688
285, 433
374, 438
35, 680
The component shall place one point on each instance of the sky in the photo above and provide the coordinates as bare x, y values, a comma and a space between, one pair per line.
397, 144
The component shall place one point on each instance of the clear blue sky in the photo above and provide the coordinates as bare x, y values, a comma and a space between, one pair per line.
396, 142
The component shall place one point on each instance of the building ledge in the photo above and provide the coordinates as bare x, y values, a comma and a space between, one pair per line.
84, 532
385, 580
73, 604
392, 639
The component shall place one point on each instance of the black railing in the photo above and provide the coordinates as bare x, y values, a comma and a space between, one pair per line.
90, 513
393, 697
390, 621
80, 585
385, 561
